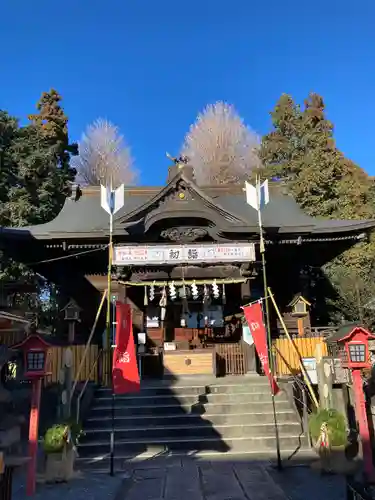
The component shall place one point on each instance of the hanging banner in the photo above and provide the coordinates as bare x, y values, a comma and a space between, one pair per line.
182, 254
125, 373
254, 317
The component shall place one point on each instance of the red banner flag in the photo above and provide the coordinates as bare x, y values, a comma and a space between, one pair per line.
254, 317
125, 373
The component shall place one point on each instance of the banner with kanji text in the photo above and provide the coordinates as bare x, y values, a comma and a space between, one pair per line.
254, 317
125, 374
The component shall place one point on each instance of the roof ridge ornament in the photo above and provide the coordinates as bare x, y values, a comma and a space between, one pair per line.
75, 191
180, 165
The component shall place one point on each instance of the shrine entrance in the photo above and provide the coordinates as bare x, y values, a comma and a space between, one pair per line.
192, 318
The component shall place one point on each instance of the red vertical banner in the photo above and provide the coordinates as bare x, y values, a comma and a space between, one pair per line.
125, 375
254, 317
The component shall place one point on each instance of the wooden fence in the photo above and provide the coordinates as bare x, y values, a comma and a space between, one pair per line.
11, 337
286, 358
56, 363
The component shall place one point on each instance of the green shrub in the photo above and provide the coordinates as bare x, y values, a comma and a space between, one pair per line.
55, 438
336, 426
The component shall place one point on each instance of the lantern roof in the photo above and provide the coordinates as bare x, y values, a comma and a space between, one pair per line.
298, 297
32, 340
71, 304
346, 332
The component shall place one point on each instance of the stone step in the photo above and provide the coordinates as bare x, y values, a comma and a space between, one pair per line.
203, 429
190, 419
184, 399
178, 382
193, 390
197, 408
134, 447
101, 463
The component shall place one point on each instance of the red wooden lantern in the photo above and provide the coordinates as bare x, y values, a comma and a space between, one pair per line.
356, 357
356, 352
35, 351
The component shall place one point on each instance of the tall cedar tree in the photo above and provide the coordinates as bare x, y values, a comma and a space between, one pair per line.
8, 133
302, 152
35, 172
37, 167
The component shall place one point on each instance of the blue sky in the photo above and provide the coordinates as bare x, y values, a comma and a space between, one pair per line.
150, 66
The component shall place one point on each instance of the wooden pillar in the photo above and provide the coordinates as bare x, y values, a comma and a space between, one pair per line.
71, 332
300, 325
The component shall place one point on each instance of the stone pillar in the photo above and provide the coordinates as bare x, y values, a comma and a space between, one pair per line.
324, 368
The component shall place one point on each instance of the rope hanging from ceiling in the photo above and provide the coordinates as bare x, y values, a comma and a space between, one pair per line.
225, 281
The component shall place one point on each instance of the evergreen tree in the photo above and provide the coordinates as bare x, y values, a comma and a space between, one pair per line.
35, 174
280, 150
302, 152
35, 170
8, 131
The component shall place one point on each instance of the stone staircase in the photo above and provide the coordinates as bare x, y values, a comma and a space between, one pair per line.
198, 416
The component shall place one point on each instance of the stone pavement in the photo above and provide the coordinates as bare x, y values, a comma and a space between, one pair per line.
86, 487
190, 479
223, 480
202, 481
301, 483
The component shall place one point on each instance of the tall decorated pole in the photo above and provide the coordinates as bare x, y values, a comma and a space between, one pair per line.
258, 197
112, 200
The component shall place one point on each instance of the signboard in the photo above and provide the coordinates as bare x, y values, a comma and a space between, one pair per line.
141, 338
169, 346
181, 254
310, 367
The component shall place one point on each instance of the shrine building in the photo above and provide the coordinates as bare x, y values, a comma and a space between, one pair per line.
186, 257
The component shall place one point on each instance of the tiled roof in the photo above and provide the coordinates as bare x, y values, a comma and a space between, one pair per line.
85, 217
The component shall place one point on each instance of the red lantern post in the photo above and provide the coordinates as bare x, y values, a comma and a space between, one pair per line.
35, 351
356, 357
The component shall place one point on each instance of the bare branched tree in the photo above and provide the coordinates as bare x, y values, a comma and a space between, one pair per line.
220, 147
104, 156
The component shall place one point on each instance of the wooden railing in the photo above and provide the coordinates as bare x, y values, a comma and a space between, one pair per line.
285, 356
